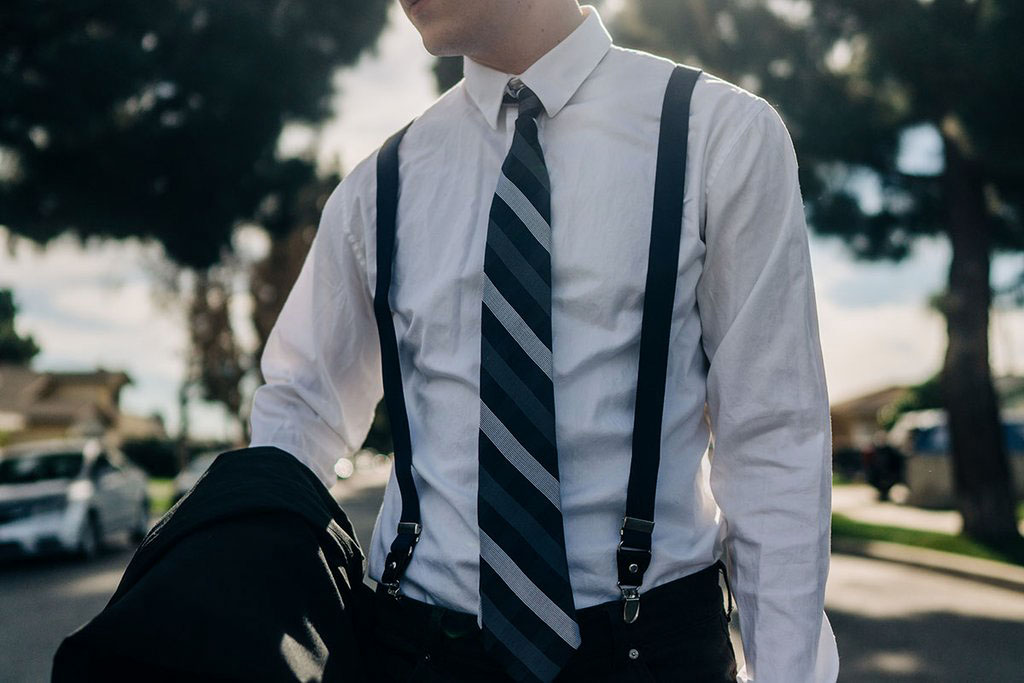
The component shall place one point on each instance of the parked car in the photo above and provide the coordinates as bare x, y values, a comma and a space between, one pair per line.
69, 496
190, 474
923, 439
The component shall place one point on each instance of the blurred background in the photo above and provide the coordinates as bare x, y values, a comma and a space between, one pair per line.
162, 170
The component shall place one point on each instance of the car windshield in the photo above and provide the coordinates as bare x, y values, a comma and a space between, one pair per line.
931, 440
26, 469
935, 440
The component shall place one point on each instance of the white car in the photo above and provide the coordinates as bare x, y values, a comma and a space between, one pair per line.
922, 436
68, 496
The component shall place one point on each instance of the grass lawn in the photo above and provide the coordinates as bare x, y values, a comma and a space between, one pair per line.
844, 527
839, 480
160, 493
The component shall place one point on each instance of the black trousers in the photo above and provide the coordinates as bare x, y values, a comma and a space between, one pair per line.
681, 634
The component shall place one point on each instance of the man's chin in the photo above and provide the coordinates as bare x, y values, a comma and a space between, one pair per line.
441, 48
445, 52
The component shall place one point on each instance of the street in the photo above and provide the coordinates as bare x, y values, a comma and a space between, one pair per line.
892, 622
43, 600
896, 623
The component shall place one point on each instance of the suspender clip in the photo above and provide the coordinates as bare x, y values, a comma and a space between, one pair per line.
399, 556
630, 603
633, 558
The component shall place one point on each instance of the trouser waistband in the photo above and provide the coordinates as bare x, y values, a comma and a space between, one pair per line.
695, 595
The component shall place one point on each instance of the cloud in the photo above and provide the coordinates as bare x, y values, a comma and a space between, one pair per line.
398, 79
876, 328
865, 284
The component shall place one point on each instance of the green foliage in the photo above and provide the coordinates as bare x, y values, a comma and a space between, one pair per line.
14, 349
161, 495
852, 78
161, 118
927, 394
849, 77
447, 72
844, 527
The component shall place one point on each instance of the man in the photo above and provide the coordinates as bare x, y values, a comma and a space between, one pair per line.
744, 340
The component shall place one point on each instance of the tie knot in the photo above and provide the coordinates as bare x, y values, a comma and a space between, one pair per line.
529, 103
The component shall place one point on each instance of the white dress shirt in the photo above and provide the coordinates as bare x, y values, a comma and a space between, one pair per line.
744, 293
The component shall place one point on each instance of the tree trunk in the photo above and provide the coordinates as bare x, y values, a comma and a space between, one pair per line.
181, 443
980, 465
243, 423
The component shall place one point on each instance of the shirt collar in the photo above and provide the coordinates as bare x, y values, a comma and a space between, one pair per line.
554, 77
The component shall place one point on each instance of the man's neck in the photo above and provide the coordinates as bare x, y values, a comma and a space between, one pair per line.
543, 25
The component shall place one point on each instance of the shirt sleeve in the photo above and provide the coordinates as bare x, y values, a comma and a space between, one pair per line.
768, 403
321, 363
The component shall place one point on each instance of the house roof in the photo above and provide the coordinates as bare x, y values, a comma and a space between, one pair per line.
1010, 389
19, 387
868, 404
31, 393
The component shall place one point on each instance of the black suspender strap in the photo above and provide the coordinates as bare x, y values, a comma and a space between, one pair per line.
634, 552
394, 397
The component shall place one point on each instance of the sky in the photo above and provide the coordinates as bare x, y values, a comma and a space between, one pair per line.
97, 304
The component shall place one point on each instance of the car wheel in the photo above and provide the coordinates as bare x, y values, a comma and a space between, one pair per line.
90, 540
142, 524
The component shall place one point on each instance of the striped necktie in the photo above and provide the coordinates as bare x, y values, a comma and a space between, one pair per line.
526, 603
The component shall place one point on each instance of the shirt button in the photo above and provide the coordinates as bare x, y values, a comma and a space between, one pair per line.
634, 653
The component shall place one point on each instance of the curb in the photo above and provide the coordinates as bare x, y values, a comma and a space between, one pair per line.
999, 574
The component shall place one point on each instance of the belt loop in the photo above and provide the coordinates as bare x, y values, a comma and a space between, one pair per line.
728, 587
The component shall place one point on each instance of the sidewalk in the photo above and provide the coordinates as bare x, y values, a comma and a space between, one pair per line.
855, 501
860, 502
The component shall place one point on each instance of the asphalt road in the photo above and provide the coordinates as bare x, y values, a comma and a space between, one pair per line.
43, 600
893, 623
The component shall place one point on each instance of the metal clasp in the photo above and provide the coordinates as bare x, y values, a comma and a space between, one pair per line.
399, 557
392, 589
630, 603
633, 557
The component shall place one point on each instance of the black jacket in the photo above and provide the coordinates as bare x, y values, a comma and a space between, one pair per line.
255, 575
